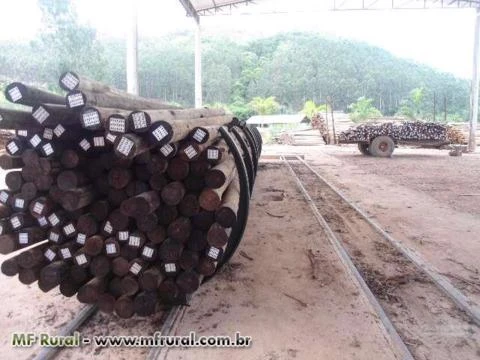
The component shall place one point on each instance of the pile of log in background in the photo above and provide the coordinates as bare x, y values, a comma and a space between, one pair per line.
126, 202
404, 131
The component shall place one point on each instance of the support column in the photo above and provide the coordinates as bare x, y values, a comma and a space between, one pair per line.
198, 66
475, 85
132, 50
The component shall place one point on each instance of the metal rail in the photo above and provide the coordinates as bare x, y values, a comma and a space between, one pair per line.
85, 314
394, 337
462, 301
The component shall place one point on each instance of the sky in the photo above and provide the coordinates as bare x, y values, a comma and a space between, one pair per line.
441, 38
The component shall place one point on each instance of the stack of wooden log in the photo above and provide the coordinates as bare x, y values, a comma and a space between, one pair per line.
404, 131
123, 201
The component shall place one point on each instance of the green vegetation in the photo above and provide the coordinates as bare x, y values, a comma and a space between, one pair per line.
284, 71
310, 109
363, 109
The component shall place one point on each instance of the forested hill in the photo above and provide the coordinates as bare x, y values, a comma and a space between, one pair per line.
292, 67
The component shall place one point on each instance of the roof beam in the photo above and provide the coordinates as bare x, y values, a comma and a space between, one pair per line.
216, 6
190, 9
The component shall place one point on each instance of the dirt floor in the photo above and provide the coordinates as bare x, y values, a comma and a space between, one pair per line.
269, 291
425, 198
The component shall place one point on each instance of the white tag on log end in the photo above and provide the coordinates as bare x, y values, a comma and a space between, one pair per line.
147, 252
139, 120
12, 147
35, 140
19, 203
48, 134
53, 219
38, 207
85, 144
90, 119
166, 149
135, 268
41, 114
69, 229
110, 248
4, 197
213, 252
212, 154
170, 267
108, 227
160, 133
116, 125
111, 137
70, 81
15, 221
48, 149
66, 254
42, 221
15, 94
125, 146
199, 135
58, 130
23, 238
50, 254
22, 133
134, 241
53, 236
75, 100
81, 239
99, 141
81, 259
190, 152
123, 235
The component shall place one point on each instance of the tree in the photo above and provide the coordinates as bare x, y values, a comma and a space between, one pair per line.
310, 109
64, 44
264, 106
363, 109
412, 107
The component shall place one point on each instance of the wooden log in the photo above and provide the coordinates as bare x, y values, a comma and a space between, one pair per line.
180, 229
100, 210
129, 285
173, 193
194, 183
197, 240
94, 245
157, 181
145, 303
21, 220
149, 252
157, 235
52, 274
199, 168
217, 176
217, 235
16, 120
166, 214
47, 114
136, 187
14, 180
79, 274
137, 267
78, 198
151, 279
170, 250
141, 205
71, 179
202, 134
168, 290
147, 223
106, 302
82, 259
189, 259
28, 276
203, 220
8, 162
100, 266
206, 266
5, 227
29, 191
56, 236
120, 266
136, 240
168, 151
157, 164
90, 292
170, 269
122, 236
211, 199
178, 169
124, 307
27, 95
10, 267
29, 236
78, 99
66, 251
87, 224
118, 220
188, 281
226, 215
19, 203
146, 118
214, 253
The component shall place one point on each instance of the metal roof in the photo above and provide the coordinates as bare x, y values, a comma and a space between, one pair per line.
196, 8
276, 119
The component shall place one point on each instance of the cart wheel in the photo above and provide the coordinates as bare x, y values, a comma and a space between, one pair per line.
382, 146
363, 147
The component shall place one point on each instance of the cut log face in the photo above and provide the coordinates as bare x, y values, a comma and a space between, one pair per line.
123, 201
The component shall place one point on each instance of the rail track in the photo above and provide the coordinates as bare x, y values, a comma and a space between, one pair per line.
424, 314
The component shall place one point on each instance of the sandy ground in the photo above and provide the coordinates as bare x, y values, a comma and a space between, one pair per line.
273, 297
428, 200
266, 292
